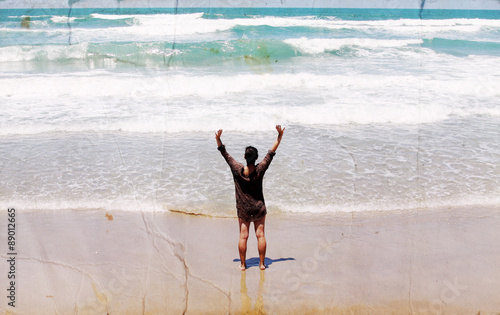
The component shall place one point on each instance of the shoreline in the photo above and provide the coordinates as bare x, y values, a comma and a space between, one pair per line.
98, 262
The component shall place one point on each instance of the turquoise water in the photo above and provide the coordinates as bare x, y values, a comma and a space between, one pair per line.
116, 108
216, 13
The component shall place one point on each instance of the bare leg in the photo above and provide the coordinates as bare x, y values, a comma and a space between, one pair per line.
261, 240
242, 244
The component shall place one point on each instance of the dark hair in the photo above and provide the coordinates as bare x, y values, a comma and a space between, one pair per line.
251, 155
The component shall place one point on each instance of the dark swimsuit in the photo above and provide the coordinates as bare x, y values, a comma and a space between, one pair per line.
250, 203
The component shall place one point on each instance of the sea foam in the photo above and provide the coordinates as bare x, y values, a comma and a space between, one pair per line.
119, 111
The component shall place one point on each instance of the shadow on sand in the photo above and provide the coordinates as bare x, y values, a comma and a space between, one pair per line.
254, 261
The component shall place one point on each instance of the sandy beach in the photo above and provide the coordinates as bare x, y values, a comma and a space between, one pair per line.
97, 262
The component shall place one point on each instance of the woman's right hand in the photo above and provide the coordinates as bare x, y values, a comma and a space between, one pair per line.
278, 140
218, 133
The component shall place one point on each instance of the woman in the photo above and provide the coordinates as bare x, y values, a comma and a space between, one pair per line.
250, 203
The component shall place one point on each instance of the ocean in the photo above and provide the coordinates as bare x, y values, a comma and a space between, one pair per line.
116, 109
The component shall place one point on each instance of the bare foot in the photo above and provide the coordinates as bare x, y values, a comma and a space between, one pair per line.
262, 267
243, 267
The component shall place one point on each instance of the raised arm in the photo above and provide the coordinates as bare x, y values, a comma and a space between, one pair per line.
233, 164
278, 140
217, 137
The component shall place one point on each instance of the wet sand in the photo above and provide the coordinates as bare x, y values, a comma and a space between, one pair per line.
96, 262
